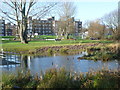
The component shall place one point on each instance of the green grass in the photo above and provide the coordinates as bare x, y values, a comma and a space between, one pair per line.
7, 36
17, 46
33, 45
45, 37
61, 78
96, 41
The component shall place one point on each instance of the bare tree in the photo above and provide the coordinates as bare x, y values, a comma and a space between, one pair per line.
66, 13
20, 11
111, 21
96, 29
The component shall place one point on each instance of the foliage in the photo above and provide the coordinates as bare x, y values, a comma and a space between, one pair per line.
61, 78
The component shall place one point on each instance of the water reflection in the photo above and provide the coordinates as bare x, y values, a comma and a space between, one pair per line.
41, 63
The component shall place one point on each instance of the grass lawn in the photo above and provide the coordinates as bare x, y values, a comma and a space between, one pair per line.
17, 46
7, 36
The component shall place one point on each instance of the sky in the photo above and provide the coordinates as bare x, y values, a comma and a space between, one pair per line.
90, 9
93, 10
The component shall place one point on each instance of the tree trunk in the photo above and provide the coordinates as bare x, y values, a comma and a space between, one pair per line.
23, 34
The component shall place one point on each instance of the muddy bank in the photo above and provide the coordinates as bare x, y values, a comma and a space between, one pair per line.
64, 49
67, 49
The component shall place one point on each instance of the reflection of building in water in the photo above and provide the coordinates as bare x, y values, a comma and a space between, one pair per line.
10, 61
29, 58
15, 61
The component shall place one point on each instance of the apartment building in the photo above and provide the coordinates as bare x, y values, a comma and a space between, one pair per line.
42, 27
49, 26
76, 25
10, 30
29, 30
2, 27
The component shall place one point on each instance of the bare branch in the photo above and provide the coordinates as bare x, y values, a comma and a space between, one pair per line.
8, 20
30, 6
6, 13
44, 11
9, 4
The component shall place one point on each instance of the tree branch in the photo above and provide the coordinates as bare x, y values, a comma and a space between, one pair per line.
30, 6
6, 13
8, 20
44, 11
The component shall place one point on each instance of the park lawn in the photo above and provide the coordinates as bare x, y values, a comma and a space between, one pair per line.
17, 46
46, 37
7, 36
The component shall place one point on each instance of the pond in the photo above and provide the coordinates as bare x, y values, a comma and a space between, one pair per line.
36, 64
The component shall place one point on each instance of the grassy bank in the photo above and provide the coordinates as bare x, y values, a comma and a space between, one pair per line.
16, 46
62, 79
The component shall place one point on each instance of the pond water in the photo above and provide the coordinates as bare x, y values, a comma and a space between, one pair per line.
36, 64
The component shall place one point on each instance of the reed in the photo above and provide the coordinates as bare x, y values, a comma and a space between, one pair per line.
61, 78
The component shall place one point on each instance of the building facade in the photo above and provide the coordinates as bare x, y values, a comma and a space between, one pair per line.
49, 26
76, 26
10, 30
29, 31
2, 27
40, 27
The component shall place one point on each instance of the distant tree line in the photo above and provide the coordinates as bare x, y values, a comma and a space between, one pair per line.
104, 28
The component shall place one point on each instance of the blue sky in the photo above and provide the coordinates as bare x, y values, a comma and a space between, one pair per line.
94, 10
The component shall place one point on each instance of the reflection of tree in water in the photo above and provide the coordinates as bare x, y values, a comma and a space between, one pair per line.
24, 58
119, 65
118, 53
